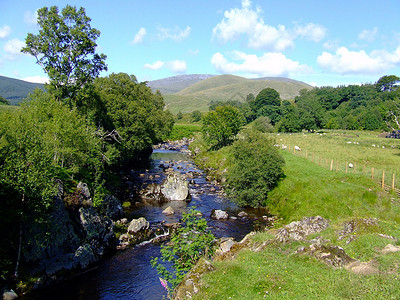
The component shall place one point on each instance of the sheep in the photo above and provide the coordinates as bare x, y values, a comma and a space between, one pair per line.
351, 165
297, 148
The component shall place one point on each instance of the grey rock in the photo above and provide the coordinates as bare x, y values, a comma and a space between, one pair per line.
10, 295
168, 211
175, 187
299, 230
112, 207
137, 225
84, 189
85, 256
219, 214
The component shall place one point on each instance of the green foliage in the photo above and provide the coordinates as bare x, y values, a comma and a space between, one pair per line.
263, 124
387, 83
266, 97
188, 244
179, 131
257, 168
221, 126
132, 113
179, 115
196, 116
4, 101
65, 48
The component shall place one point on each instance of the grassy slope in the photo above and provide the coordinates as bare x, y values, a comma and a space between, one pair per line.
278, 273
226, 87
16, 90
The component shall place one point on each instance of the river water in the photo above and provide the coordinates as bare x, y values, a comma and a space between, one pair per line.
128, 274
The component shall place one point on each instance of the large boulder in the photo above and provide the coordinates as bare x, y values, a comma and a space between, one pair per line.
299, 230
175, 187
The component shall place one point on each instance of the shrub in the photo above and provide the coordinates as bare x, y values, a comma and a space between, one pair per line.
188, 244
257, 168
263, 124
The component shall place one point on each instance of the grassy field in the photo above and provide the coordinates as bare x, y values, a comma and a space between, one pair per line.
7, 108
365, 150
278, 272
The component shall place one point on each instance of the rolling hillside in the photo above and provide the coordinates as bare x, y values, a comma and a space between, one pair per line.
16, 90
228, 87
174, 84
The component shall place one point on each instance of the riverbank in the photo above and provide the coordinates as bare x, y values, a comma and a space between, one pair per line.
355, 256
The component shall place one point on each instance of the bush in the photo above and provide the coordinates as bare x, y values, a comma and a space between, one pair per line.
188, 244
263, 124
257, 168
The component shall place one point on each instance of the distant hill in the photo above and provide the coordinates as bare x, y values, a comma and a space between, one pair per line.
174, 84
229, 87
16, 90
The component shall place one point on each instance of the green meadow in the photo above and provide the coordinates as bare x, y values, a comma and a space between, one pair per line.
310, 189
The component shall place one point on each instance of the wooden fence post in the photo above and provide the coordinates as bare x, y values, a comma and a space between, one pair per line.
393, 182
331, 164
306, 153
383, 179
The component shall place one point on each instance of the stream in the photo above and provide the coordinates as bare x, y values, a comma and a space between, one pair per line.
128, 274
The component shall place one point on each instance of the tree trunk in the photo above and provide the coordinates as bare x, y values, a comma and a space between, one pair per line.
20, 239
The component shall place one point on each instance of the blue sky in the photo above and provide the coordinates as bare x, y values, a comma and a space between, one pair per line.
334, 42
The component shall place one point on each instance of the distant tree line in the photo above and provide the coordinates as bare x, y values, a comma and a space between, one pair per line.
353, 107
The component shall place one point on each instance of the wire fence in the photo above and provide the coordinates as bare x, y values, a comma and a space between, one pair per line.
386, 179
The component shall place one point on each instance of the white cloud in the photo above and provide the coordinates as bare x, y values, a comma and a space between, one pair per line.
250, 23
368, 35
175, 66
36, 79
30, 18
4, 31
313, 32
269, 64
174, 33
344, 61
139, 36
13, 46
154, 66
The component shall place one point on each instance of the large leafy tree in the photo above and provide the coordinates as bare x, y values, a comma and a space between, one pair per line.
133, 116
66, 49
387, 83
221, 126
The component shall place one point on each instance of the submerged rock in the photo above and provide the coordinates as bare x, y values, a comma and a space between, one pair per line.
168, 211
